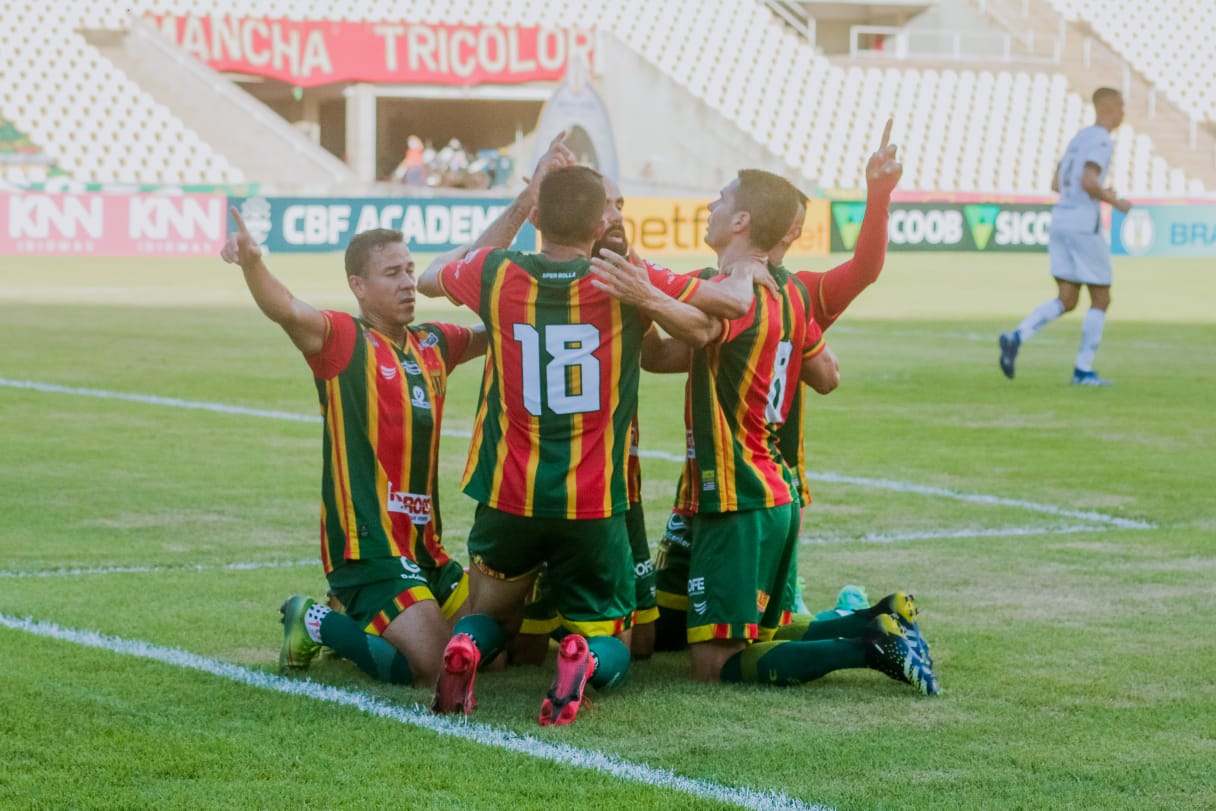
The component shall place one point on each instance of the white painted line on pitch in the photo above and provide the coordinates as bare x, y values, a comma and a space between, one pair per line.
880, 484
948, 534
417, 716
231, 567
980, 498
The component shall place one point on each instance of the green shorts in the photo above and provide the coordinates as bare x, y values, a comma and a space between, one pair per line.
589, 569
375, 591
738, 569
540, 615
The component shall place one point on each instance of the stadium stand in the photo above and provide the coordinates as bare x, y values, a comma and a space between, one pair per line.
959, 128
1174, 52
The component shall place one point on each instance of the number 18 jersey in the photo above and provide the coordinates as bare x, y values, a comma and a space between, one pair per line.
552, 433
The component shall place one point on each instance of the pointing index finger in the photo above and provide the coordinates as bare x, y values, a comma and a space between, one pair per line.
240, 222
886, 133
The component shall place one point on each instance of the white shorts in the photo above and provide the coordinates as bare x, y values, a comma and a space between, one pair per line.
1080, 257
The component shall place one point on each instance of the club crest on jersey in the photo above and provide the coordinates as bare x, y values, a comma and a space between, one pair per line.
388, 372
430, 340
418, 397
416, 506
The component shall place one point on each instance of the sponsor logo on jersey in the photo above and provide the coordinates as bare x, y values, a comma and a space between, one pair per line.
416, 506
388, 372
430, 340
418, 397
410, 367
410, 567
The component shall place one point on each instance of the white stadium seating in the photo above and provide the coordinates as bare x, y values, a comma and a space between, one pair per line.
1174, 52
964, 129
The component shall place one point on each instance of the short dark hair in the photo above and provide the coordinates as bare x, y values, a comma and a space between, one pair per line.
1103, 94
771, 200
570, 204
361, 245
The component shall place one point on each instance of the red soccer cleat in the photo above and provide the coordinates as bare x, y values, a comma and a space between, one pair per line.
454, 688
566, 694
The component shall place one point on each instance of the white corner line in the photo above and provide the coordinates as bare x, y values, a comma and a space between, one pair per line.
417, 716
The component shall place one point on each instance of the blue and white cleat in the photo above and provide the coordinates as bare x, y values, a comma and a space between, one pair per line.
1080, 378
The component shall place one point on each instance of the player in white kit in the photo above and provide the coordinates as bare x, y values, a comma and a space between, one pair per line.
1077, 249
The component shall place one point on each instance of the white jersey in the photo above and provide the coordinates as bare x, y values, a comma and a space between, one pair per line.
1076, 210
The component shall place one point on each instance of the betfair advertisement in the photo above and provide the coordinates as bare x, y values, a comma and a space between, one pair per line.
672, 226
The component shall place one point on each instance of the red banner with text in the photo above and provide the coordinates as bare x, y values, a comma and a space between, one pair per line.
308, 54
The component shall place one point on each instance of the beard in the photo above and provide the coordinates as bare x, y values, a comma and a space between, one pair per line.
614, 240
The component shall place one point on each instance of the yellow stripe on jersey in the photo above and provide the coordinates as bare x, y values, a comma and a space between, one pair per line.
496, 333
373, 436
753, 360
533, 419
614, 402
724, 452
341, 471
576, 422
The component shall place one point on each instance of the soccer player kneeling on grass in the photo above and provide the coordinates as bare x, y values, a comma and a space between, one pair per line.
550, 443
381, 383
735, 487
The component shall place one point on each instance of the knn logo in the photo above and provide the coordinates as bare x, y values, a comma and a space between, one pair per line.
848, 218
982, 220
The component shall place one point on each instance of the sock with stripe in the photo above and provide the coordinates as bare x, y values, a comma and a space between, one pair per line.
786, 664
610, 660
371, 654
487, 635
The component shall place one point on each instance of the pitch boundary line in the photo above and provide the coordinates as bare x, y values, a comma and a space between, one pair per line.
949, 534
417, 716
834, 478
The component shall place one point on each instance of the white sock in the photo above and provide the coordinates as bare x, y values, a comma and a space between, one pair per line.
1091, 336
312, 620
1039, 317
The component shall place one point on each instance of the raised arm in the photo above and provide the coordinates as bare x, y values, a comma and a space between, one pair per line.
302, 322
501, 232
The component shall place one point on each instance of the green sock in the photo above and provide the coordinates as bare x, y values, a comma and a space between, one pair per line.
847, 627
785, 664
371, 654
487, 635
611, 662
795, 630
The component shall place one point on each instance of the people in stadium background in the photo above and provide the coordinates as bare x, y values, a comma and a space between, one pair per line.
1077, 251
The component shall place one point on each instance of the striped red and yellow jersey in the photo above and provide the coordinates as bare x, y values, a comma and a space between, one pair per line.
382, 406
552, 432
633, 481
792, 433
739, 392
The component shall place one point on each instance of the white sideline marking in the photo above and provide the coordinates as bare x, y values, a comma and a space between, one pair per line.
418, 716
880, 484
235, 567
948, 534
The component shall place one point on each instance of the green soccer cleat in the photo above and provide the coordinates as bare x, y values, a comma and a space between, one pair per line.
888, 651
298, 648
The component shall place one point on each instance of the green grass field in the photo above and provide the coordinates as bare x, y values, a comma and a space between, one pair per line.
1059, 541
